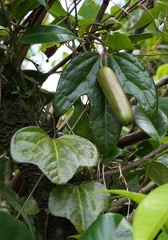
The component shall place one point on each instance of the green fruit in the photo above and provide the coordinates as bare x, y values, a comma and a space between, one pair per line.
115, 95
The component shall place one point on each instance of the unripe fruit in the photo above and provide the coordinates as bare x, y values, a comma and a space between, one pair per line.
115, 95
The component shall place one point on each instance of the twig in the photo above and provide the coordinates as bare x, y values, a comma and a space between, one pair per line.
136, 163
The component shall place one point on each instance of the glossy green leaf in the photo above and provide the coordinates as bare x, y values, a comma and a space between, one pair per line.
139, 37
135, 81
46, 34
156, 128
151, 214
119, 41
136, 197
59, 159
80, 204
148, 17
110, 226
79, 78
158, 171
12, 228
163, 103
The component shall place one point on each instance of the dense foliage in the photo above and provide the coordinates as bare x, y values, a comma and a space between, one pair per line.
68, 166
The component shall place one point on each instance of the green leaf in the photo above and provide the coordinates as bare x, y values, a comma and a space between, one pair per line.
110, 226
46, 34
59, 159
136, 197
77, 79
139, 37
119, 41
156, 128
163, 236
163, 103
57, 10
93, 8
31, 207
148, 17
135, 80
158, 171
80, 204
12, 228
151, 214
16, 203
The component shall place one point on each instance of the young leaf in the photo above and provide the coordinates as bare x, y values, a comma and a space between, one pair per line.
46, 34
151, 214
136, 197
58, 158
12, 228
110, 226
156, 128
80, 204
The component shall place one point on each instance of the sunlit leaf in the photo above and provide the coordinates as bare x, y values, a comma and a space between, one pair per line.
58, 158
151, 214
136, 197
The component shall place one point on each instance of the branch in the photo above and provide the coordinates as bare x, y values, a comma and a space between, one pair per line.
132, 138
87, 44
136, 163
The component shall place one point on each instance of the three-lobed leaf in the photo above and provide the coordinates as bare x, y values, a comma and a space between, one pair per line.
59, 159
79, 78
